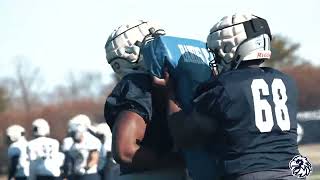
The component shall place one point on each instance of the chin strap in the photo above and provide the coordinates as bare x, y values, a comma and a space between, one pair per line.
214, 68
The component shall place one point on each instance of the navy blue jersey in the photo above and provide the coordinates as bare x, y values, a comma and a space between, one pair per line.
256, 113
135, 93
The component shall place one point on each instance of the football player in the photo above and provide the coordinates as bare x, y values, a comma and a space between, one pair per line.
17, 153
84, 151
136, 110
78, 119
43, 152
68, 164
249, 110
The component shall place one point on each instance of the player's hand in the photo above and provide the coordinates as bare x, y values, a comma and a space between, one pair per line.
166, 83
162, 82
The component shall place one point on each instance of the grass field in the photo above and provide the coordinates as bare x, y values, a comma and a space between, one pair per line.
314, 176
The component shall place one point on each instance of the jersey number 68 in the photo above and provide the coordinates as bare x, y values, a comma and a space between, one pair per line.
262, 108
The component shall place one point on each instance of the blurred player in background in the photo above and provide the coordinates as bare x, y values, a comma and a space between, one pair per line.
68, 164
250, 110
85, 150
43, 152
107, 167
136, 110
17, 153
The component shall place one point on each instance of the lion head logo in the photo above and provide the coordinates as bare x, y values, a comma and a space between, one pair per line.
300, 166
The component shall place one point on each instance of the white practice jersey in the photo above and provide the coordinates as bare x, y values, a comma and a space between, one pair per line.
106, 147
80, 153
67, 144
19, 148
45, 158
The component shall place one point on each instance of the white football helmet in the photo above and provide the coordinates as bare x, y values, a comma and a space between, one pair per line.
15, 132
237, 38
123, 45
81, 119
104, 129
40, 127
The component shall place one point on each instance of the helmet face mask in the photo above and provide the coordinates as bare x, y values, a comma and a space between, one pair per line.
238, 38
122, 66
219, 63
76, 136
76, 131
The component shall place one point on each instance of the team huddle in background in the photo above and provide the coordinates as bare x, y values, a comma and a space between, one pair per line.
183, 109
84, 153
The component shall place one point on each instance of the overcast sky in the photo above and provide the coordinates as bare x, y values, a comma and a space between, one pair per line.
69, 35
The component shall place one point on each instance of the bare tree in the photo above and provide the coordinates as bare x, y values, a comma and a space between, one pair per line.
284, 53
78, 86
26, 78
3, 99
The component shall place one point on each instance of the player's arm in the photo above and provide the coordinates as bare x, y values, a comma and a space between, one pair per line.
14, 160
128, 132
128, 110
93, 158
187, 129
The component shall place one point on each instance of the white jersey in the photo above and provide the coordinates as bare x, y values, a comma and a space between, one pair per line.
45, 158
80, 153
19, 148
106, 147
67, 144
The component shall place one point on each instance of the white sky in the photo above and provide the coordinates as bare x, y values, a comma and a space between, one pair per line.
69, 35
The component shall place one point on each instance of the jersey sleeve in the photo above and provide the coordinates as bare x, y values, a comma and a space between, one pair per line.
13, 151
213, 100
132, 93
